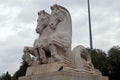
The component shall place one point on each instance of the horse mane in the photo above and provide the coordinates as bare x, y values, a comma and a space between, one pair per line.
66, 11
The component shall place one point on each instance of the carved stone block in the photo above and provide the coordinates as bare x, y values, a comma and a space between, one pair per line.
64, 75
46, 68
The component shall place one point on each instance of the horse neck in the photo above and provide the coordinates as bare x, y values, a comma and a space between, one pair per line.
68, 25
67, 17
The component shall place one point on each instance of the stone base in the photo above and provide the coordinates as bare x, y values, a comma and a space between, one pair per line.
60, 71
46, 68
64, 75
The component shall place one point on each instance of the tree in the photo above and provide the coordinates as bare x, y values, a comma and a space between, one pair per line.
99, 60
114, 60
21, 71
6, 76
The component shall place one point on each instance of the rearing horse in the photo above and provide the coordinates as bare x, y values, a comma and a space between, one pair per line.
41, 43
60, 39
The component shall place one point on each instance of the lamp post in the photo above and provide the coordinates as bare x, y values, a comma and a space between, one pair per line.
90, 30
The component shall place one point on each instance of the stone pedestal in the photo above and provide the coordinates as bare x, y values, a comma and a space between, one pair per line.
64, 75
47, 68
59, 71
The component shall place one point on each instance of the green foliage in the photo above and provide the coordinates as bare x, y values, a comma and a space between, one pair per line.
6, 76
114, 60
99, 60
109, 64
21, 71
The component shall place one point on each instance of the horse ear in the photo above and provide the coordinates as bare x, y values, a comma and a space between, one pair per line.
57, 6
54, 6
51, 7
38, 13
43, 11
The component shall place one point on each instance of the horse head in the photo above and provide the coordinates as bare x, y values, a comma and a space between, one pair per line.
42, 21
60, 22
54, 18
59, 14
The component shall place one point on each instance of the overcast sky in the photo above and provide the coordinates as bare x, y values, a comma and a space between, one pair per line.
18, 23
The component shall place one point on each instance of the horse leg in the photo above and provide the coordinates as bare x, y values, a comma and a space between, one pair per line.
36, 50
42, 55
27, 56
54, 54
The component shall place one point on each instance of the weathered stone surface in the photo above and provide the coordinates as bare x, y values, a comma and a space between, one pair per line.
55, 36
46, 68
60, 71
64, 75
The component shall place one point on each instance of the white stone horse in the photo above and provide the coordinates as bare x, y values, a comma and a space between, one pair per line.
81, 59
40, 44
60, 39
55, 36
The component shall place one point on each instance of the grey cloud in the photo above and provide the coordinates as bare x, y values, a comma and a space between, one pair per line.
103, 23
12, 3
12, 47
31, 8
26, 16
3, 18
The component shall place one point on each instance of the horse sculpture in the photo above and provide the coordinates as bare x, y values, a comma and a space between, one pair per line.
60, 39
40, 44
81, 58
54, 41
